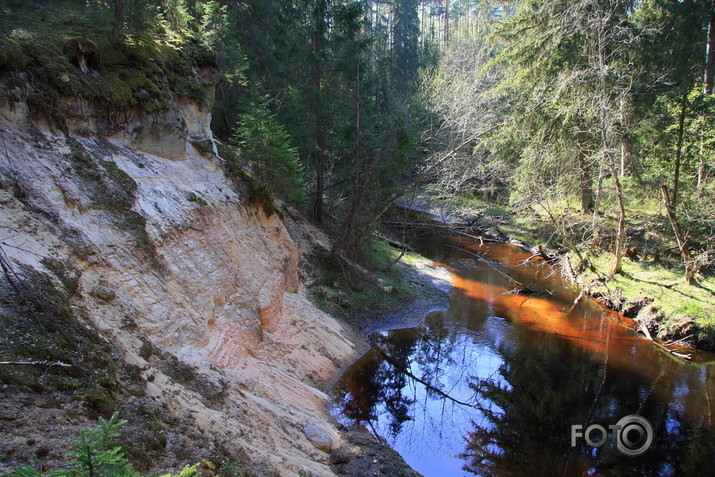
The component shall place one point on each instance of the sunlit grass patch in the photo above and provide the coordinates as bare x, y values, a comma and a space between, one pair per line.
677, 300
348, 296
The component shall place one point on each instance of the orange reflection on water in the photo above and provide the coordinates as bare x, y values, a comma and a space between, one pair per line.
549, 314
551, 307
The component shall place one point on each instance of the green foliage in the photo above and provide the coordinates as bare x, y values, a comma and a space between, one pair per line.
256, 192
96, 454
267, 146
406, 30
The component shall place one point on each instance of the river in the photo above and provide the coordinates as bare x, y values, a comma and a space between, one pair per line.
495, 384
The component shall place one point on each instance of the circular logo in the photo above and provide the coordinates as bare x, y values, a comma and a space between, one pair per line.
634, 435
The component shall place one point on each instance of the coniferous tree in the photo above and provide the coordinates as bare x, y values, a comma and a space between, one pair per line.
266, 145
405, 33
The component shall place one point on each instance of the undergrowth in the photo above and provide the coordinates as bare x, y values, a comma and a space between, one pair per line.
359, 293
42, 327
68, 53
96, 453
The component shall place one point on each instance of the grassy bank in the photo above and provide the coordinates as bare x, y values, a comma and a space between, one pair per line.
684, 309
357, 293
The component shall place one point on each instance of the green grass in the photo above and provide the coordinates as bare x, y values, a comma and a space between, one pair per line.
384, 294
683, 306
674, 297
679, 302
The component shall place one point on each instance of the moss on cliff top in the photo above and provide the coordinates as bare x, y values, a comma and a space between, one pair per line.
147, 75
68, 50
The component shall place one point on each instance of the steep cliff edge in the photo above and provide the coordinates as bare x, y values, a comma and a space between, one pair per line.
129, 254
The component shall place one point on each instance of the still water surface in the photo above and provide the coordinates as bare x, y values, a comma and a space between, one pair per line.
493, 384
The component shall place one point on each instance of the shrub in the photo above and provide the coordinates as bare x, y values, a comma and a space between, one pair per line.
95, 454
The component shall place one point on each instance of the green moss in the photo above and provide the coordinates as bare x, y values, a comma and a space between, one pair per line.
65, 272
135, 225
142, 73
115, 89
113, 190
205, 147
192, 197
213, 392
98, 401
189, 87
109, 187
61, 383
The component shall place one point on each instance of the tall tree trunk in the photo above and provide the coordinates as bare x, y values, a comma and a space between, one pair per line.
349, 238
626, 156
621, 233
358, 146
679, 148
708, 89
710, 53
679, 237
118, 18
701, 170
446, 24
607, 161
586, 182
319, 11
596, 207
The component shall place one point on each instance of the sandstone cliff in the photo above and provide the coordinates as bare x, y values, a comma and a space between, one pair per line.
140, 240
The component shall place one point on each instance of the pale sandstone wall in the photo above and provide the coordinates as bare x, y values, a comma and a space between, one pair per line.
216, 283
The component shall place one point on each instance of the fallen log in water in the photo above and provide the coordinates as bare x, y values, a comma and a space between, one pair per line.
430, 225
685, 357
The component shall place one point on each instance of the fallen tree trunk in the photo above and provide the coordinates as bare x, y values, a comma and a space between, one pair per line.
685, 357
428, 225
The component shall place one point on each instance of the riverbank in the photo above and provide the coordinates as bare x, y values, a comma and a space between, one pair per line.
424, 287
650, 288
399, 290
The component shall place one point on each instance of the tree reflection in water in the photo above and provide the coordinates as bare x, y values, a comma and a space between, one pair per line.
471, 393
546, 390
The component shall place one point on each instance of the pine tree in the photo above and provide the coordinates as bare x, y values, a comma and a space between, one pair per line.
266, 145
96, 454
405, 47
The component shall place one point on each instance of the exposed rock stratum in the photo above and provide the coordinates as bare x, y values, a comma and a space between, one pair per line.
198, 289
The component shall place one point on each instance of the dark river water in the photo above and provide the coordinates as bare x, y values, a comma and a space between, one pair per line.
494, 384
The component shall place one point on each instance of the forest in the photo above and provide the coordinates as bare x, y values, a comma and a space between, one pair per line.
210, 208
586, 125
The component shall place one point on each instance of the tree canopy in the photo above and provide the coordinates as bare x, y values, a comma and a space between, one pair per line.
342, 105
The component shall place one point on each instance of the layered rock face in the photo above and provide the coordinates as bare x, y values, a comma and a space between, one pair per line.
198, 289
